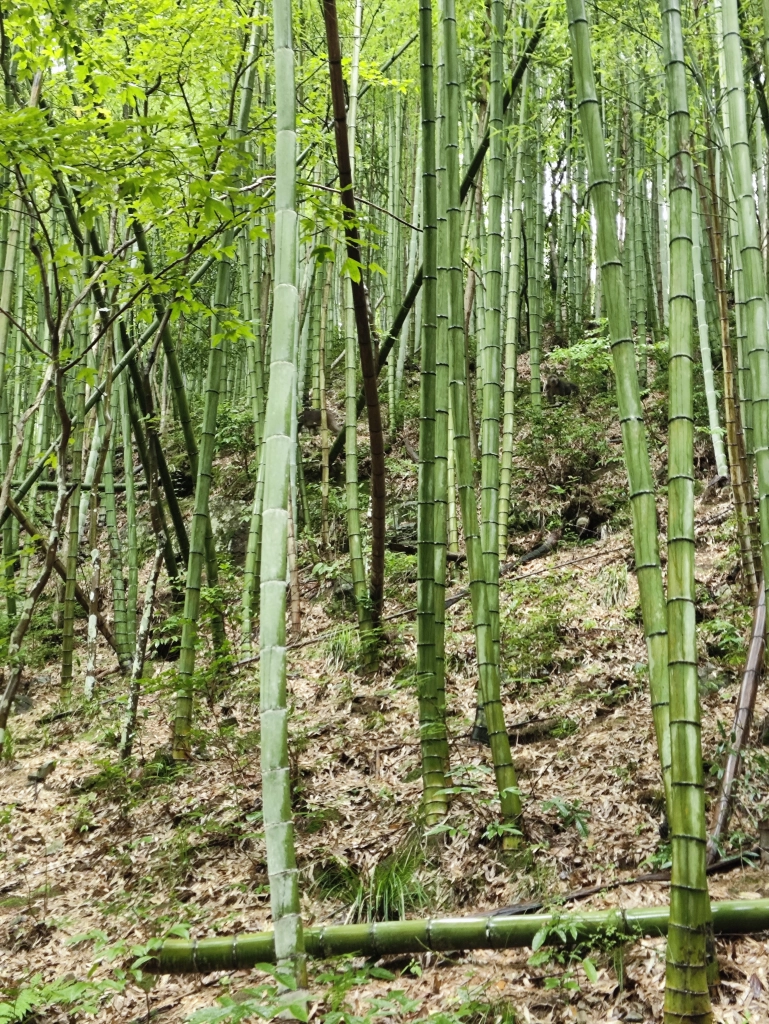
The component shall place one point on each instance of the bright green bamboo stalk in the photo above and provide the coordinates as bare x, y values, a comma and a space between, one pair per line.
487, 665
393, 245
123, 637
132, 556
530, 227
511, 330
686, 985
443, 439
409, 335
432, 725
278, 432
201, 548
640, 477
452, 531
742, 484
638, 198
492, 931
493, 311
200, 519
752, 263
567, 208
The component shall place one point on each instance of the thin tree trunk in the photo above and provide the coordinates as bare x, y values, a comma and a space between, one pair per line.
368, 364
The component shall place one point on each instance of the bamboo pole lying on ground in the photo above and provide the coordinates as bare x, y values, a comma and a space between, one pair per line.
199, 956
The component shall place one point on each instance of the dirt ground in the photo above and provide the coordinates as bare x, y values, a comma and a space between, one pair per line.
121, 856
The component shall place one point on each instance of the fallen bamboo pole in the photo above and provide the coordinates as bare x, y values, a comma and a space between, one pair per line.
200, 956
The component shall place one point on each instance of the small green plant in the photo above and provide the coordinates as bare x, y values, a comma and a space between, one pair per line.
612, 583
570, 813
37, 1000
724, 640
83, 818
660, 860
531, 622
557, 944
390, 890
343, 650
266, 1001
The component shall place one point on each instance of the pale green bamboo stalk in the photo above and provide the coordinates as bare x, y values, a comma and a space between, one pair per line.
12, 248
253, 559
662, 223
722, 468
276, 784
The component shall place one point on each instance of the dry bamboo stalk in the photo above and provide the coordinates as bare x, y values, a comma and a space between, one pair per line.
743, 717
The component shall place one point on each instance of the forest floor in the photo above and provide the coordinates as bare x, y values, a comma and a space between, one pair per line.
102, 857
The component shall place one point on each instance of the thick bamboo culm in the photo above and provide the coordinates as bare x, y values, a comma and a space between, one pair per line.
488, 931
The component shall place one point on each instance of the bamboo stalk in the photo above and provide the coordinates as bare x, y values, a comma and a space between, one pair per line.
489, 931
687, 998
641, 481
432, 726
279, 443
